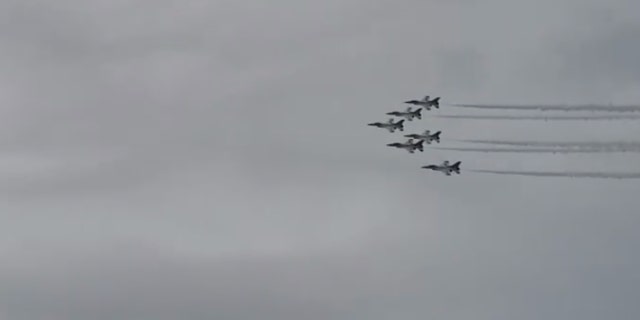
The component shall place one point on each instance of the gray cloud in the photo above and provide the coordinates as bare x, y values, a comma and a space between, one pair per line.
593, 175
594, 64
197, 160
601, 108
543, 117
460, 68
606, 56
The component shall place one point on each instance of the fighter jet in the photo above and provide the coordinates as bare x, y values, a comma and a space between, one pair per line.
408, 114
426, 103
426, 136
445, 168
410, 146
390, 125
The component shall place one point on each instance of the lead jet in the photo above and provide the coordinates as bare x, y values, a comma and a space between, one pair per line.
390, 125
426, 103
426, 136
445, 168
408, 114
410, 146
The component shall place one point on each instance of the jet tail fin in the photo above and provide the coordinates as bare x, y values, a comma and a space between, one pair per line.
417, 113
436, 102
436, 136
456, 167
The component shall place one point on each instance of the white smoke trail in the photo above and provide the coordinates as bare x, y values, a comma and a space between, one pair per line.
540, 118
614, 145
543, 150
605, 108
601, 175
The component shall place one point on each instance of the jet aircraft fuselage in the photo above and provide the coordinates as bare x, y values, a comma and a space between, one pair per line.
427, 136
445, 168
410, 146
390, 125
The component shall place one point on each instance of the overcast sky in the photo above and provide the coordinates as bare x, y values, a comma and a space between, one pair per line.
197, 160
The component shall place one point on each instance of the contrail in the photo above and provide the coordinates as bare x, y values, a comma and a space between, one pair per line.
543, 150
601, 175
590, 145
552, 118
621, 108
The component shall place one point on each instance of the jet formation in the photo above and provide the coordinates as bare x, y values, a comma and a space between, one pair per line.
417, 140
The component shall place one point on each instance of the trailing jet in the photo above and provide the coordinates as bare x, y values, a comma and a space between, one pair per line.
409, 114
445, 168
426, 136
426, 103
390, 125
410, 146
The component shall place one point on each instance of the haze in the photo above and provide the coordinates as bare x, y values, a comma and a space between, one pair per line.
196, 160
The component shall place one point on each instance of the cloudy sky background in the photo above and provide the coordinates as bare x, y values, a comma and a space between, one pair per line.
210, 160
